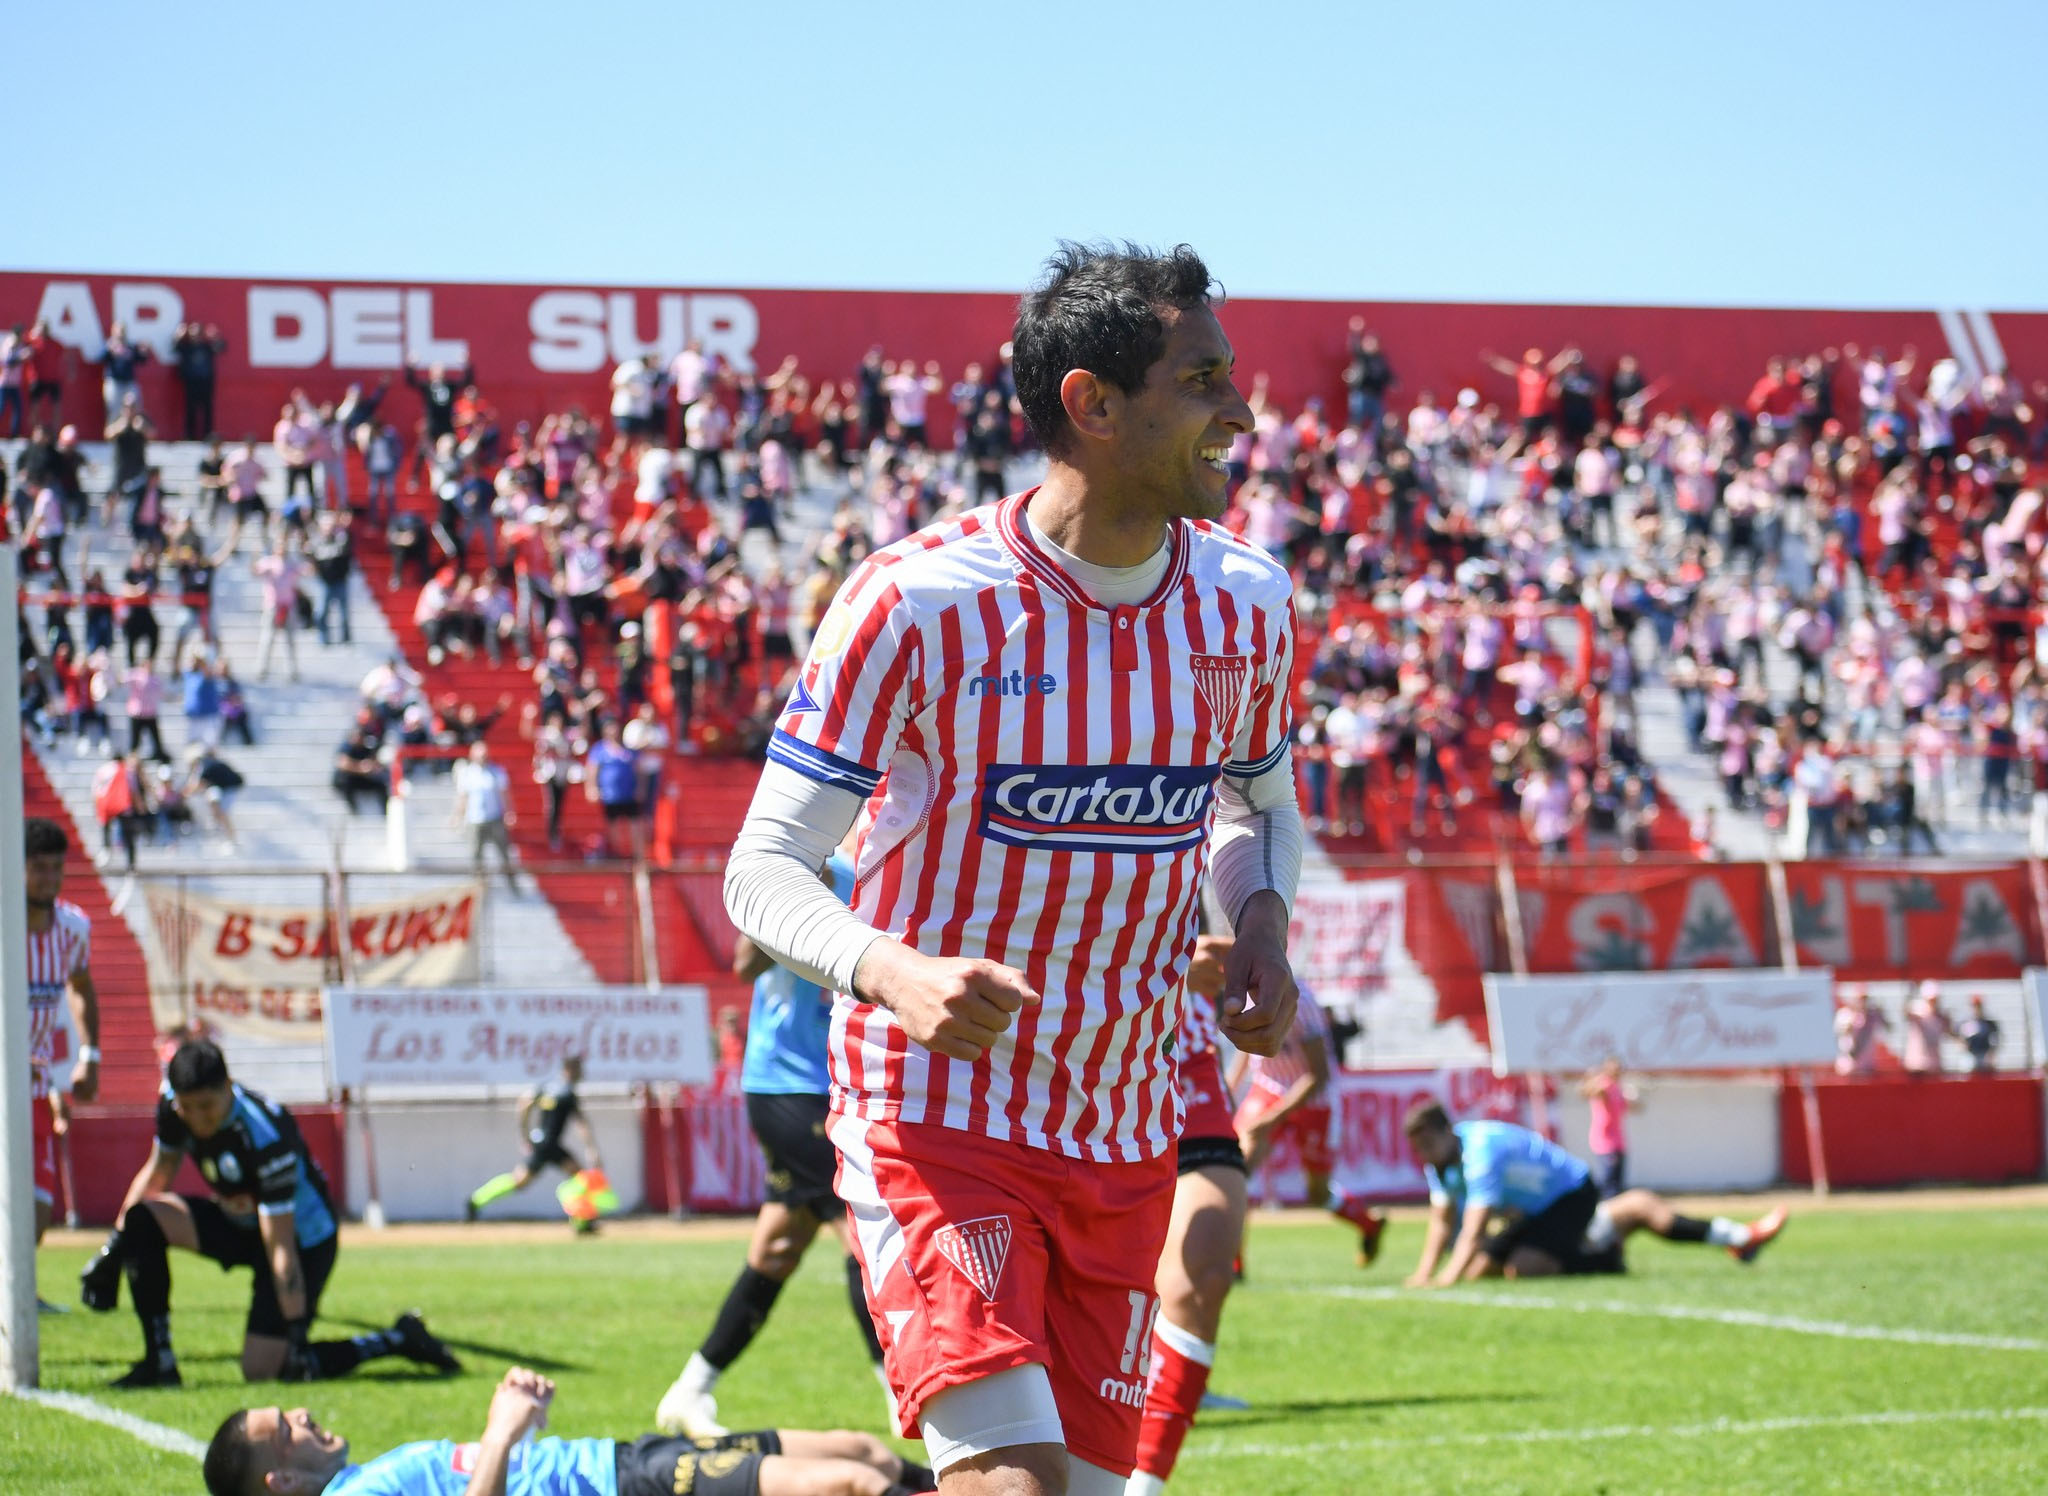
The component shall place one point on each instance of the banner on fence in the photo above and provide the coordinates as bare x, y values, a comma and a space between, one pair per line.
727, 1170
472, 1036
1676, 1021
1645, 919
1372, 1157
1346, 939
1907, 922
258, 970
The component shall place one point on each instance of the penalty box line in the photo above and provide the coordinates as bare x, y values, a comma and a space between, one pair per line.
1717, 1427
1744, 1318
78, 1405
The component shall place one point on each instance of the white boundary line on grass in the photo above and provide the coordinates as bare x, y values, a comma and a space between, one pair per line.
171, 1440
1749, 1318
1714, 1428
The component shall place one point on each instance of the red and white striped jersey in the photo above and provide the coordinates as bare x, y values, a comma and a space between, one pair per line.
1040, 775
54, 955
1198, 1032
1276, 1073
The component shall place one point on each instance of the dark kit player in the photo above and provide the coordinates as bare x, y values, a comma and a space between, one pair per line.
544, 1116
270, 1212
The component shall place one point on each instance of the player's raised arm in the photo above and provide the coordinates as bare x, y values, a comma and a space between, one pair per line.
518, 1407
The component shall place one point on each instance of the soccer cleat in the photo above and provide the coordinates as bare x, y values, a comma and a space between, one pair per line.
689, 1411
1762, 1233
99, 1285
1216, 1402
44, 1306
148, 1373
469, 1210
417, 1343
1371, 1224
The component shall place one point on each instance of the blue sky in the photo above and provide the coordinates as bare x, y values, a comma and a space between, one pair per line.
1874, 154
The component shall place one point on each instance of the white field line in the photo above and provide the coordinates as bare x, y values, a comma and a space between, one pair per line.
175, 1441
1748, 1318
1716, 1428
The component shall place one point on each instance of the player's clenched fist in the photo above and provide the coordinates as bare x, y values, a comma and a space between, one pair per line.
520, 1405
952, 1005
1257, 1007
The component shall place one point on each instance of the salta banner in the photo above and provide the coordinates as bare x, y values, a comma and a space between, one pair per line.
1687, 1020
538, 348
1372, 1156
1670, 918
257, 970
1908, 921
462, 1038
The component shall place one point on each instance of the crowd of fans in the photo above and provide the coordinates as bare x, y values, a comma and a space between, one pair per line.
1837, 571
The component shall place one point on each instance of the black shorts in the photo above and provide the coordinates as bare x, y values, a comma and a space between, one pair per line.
1559, 1230
45, 389
233, 1245
658, 1465
621, 810
1203, 1153
549, 1153
252, 507
801, 1163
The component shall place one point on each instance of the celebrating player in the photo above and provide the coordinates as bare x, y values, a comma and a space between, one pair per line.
59, 975
1521, 1206
787, 1090
558, 1107
1054, 718
271, 1212
272, 1452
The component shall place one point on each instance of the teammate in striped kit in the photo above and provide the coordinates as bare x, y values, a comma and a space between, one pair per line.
59, 974
1053, 719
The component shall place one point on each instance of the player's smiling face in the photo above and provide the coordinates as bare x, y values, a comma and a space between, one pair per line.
298, 1455
1174, 432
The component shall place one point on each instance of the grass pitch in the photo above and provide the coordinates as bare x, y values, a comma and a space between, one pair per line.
1886, 1350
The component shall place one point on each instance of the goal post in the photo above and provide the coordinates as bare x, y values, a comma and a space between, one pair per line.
19, 1347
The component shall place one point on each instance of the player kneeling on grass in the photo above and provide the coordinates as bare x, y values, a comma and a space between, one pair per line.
270, 1212
272, 1452
1520, 1206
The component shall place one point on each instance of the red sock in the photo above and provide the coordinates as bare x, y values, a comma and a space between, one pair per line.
1173, 1394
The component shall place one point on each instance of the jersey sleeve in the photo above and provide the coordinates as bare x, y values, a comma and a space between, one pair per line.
171, 1135
81, 943
1483, 1183
841, 723
1267, 730
277, 1173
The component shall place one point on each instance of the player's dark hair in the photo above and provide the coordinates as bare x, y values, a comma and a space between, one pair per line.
230, 1465
42, 838
1426, 1116
1097, 308
197, 1066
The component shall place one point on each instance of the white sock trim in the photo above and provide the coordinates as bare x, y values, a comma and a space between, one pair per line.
1185, 1342
1722, 1232
1142, 1484
1600, 1230
699, 1375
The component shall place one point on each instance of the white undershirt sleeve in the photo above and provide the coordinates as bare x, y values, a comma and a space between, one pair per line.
772, 889
1257, 840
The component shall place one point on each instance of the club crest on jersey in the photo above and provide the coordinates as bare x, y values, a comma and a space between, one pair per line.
1220, 679
1153, 808
979, 1249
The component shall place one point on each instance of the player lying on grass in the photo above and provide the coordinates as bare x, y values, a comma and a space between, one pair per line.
275, 1452
270, 1212
1520, 1206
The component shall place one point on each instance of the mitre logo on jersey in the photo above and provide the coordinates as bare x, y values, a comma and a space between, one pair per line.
979, 1249
1220, 679
1097, 807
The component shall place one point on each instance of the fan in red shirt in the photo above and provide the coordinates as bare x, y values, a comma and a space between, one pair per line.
45, 372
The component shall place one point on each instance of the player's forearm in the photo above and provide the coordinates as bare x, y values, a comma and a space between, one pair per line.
493, 1459
772, 889
281, 1243
1257, 841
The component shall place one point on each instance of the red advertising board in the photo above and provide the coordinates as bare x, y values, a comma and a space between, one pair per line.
537, 348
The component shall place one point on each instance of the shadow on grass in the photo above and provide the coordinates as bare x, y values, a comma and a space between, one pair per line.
1279, 1412
505, 1354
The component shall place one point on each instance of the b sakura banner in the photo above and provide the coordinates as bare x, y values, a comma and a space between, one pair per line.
1373, 1158
257, 970
467, 1038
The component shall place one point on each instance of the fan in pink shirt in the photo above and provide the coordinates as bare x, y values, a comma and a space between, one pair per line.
1608, 1099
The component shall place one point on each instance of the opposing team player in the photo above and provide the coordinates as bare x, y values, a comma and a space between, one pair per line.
59, 977
270, 1212
557, 1106
1508, 1201
784, 1079
1054, 718
274, 1452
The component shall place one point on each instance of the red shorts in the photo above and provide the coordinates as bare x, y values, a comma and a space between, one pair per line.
981, 1256
43, 1148
1204, 1099
1308, 1127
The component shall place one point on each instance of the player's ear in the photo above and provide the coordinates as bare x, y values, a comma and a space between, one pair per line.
1090, 403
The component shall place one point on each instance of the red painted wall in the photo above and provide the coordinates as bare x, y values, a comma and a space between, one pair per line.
1884, 1131
1710, 354
108, 1145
